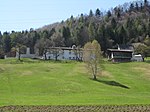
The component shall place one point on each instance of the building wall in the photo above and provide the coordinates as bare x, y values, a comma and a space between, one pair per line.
138, 58
26, 55
63, 55
120, 56
121, 59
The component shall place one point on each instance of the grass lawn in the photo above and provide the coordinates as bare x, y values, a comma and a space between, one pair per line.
35, 82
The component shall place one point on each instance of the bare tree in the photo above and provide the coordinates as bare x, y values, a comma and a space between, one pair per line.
42, 46
20, 48
78, 52
56, 52
92, 56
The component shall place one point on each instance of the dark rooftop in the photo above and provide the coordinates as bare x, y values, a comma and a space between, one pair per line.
121, 50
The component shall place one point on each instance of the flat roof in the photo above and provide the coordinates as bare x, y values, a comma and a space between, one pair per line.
121, 50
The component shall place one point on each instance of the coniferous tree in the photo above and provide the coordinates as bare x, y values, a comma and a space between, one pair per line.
98, 13
145, 3
109, 14
1, 43
91, 13
137, 6
67, 36
6, 42
91, 31
118, 26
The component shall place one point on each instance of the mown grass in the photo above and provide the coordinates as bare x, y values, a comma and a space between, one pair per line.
35, 82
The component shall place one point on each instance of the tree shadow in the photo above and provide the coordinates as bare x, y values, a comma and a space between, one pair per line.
113, 83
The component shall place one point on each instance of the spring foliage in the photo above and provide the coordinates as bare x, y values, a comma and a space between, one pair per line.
92, 55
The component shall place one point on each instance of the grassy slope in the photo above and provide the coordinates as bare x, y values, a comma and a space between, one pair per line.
49, 83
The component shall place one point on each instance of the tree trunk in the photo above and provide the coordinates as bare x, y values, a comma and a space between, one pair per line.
45, 56
56, 58
19, 57
19, 53
94, 77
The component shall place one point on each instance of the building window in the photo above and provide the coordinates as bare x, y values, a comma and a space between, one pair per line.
70, 58
63, 57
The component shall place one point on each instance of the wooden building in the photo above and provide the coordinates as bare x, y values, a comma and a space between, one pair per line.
119, 55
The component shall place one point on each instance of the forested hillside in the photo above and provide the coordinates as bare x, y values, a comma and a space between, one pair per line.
125, 24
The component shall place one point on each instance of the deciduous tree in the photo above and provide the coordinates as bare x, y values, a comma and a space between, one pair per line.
19, 49
42, 46
92, 56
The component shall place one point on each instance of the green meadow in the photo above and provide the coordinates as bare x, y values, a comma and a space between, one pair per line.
34, 82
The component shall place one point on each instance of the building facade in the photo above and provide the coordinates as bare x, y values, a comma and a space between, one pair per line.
63, 53
118, 55
137, 57
27, 54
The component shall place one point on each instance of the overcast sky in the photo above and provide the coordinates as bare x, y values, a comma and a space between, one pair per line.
20, 15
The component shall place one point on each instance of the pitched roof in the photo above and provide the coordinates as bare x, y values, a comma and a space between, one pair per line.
121, 50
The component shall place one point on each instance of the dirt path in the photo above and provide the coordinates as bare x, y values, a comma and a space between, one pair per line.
127, 108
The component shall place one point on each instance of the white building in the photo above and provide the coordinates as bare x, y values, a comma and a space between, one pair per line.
138, 58
63, 53
26, 55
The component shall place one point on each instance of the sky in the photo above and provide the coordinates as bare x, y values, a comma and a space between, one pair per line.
18, 15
